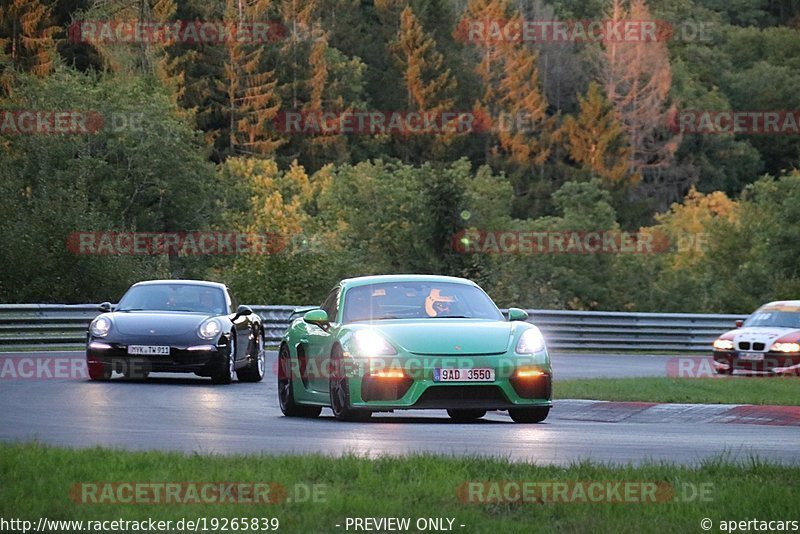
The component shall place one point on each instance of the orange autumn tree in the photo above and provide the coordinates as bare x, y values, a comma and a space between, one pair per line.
429, 84
596, 140
26, 39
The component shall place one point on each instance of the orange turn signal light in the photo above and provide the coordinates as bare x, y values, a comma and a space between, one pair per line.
529, 373
390, 373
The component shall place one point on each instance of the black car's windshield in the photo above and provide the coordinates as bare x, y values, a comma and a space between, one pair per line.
174, 297
784, 317
417, 300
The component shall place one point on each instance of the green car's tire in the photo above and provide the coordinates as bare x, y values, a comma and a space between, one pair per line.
340, 391
465, 416
529, 415
255, 370
226, 371
289, 407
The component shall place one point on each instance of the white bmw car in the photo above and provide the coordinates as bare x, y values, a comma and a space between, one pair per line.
768, 341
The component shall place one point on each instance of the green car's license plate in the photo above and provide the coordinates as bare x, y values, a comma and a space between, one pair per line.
463, 375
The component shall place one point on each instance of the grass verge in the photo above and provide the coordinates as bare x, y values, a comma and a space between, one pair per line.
36, 482
723, 390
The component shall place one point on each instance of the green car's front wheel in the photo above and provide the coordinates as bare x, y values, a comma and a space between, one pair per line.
536, 414
289, 407
339, 387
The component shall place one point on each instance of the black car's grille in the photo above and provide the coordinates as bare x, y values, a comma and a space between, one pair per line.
746, 345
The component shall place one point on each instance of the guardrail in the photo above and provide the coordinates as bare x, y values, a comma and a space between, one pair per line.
60, 325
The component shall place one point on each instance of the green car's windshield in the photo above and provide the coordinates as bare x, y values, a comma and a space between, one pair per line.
784, 317
418, 300
174, 297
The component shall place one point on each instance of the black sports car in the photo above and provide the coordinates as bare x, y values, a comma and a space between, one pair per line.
177, 326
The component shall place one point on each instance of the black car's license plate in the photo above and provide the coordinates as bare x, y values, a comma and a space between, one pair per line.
148, 350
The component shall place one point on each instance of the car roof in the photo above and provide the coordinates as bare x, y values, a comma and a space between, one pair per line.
186, 282
778, 303
389, 278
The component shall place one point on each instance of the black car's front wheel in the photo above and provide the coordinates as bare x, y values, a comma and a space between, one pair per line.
289, 407
340, 391
529, 415
254, 371
465, 416
226, 371
99, 370
136, 374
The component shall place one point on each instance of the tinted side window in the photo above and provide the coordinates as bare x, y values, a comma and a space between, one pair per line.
331, 304
234, 304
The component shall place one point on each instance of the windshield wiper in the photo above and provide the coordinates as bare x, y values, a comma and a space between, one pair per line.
380, 318
451, 317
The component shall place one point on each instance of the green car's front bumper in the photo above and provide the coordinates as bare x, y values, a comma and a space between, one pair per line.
407, 382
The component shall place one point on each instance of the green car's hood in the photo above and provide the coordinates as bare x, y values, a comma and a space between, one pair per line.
447, 336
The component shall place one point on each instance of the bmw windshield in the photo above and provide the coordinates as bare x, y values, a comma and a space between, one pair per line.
774, 317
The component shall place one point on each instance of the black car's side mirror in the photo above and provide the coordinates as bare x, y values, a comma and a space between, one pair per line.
104, 307
241, 311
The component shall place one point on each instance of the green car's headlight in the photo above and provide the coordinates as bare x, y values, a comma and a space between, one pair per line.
531, 341
100, 326
370, 343
208, 329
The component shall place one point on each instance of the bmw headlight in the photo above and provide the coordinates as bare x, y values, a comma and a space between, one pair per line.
209, 329
531, 341
370, 343
786, 347
723, 344
100, 326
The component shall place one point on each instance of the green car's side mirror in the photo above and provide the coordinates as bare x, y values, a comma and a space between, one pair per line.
317, 317
517, 314
104, 307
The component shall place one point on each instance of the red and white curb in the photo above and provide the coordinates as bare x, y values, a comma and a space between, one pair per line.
653, 412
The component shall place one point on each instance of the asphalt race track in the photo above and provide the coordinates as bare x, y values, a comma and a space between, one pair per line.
188, 413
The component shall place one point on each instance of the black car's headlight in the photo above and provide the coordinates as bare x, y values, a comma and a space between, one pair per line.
100, 326
530, 342
209, 329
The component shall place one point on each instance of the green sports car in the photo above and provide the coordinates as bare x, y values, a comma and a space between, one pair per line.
395, 342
